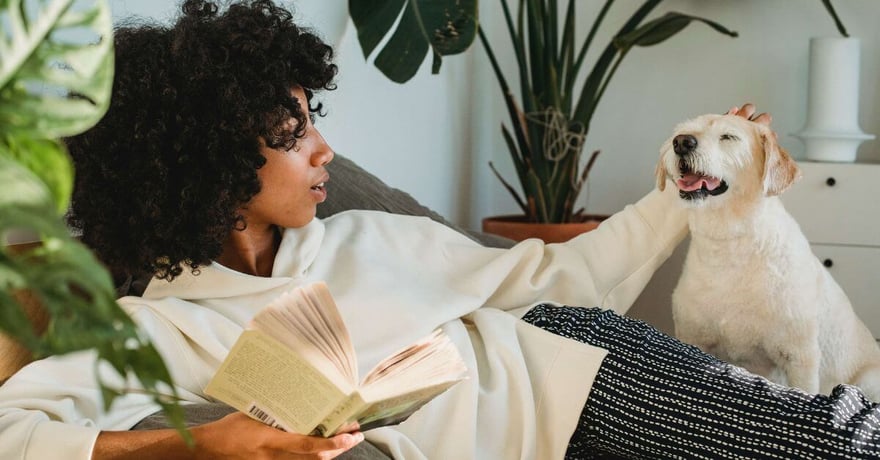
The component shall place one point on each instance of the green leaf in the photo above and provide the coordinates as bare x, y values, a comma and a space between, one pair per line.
401, 57
41, 67
21, 188
373, 19
435, 63
536, 197
590, 92
446, 27
48, 160
663, 28
450, 26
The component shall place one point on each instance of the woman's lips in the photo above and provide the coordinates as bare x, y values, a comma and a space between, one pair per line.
320, 191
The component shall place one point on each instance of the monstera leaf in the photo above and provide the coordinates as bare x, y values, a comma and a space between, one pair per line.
445, 27
56, 72
50, 50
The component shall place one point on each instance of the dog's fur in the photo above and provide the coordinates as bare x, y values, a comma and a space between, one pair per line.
752, 292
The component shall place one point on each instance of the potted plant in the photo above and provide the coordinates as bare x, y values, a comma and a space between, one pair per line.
550, 121
558, 93
56, 73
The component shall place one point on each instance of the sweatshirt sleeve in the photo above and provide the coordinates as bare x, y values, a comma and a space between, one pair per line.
30, 435
607, 267
53, 408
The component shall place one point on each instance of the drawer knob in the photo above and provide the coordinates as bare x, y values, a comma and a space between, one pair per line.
831, 181
828, 263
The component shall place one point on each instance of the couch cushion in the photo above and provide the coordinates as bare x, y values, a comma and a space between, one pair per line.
352, 187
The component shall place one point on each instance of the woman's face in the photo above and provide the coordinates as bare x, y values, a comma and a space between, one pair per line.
292, 180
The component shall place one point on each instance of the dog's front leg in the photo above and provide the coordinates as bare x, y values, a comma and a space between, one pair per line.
800, 362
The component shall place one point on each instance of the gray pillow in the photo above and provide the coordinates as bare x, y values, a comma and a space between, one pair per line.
352, 187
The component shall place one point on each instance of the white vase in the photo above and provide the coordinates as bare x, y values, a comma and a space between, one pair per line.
832, 130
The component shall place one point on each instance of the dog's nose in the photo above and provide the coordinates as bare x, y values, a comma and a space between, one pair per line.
684, 144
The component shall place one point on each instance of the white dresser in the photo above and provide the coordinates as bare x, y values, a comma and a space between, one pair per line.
838, 207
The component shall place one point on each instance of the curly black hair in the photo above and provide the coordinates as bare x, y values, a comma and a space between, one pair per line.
160, 177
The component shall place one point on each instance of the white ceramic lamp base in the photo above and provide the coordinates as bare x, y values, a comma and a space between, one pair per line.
832, 147
832, 131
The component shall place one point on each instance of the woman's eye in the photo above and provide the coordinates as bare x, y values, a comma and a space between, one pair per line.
729, 137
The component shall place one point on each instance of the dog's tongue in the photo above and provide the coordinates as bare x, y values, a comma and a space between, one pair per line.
692, 182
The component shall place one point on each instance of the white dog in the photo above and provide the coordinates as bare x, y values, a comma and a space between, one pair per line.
752, 293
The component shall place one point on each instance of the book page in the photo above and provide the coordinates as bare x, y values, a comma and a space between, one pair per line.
263, 378
400, 385
429, 361
307, 320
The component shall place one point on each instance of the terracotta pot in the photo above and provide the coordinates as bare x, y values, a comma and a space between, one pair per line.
517, 228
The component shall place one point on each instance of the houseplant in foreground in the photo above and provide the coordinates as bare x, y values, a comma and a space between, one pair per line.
55, 84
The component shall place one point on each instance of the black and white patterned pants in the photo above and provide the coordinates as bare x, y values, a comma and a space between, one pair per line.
656, 397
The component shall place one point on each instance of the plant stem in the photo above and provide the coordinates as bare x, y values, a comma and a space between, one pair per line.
837, 21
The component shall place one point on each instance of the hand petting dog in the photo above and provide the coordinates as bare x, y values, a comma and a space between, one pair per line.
748, 111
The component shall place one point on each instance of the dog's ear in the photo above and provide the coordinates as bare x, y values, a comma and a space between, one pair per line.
660, 170
780, 170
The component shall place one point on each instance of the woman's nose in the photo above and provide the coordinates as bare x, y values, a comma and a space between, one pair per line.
323, 153
329, 157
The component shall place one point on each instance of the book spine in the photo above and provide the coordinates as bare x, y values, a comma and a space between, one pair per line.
343, 413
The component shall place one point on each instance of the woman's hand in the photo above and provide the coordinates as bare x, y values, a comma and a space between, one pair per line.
235, 436
747, 111
238, 436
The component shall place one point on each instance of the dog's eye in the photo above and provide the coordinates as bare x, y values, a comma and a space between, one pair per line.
729, 137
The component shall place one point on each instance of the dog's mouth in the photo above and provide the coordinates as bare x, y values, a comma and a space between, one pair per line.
694, 185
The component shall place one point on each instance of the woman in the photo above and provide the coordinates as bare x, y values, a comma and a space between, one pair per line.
216, 170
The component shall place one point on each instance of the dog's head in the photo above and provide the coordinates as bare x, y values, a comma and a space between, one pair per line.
713, 157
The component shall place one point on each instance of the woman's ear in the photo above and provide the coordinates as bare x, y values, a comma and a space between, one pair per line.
780, 170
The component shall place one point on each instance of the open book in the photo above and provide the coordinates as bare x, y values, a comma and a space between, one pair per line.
295, 368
